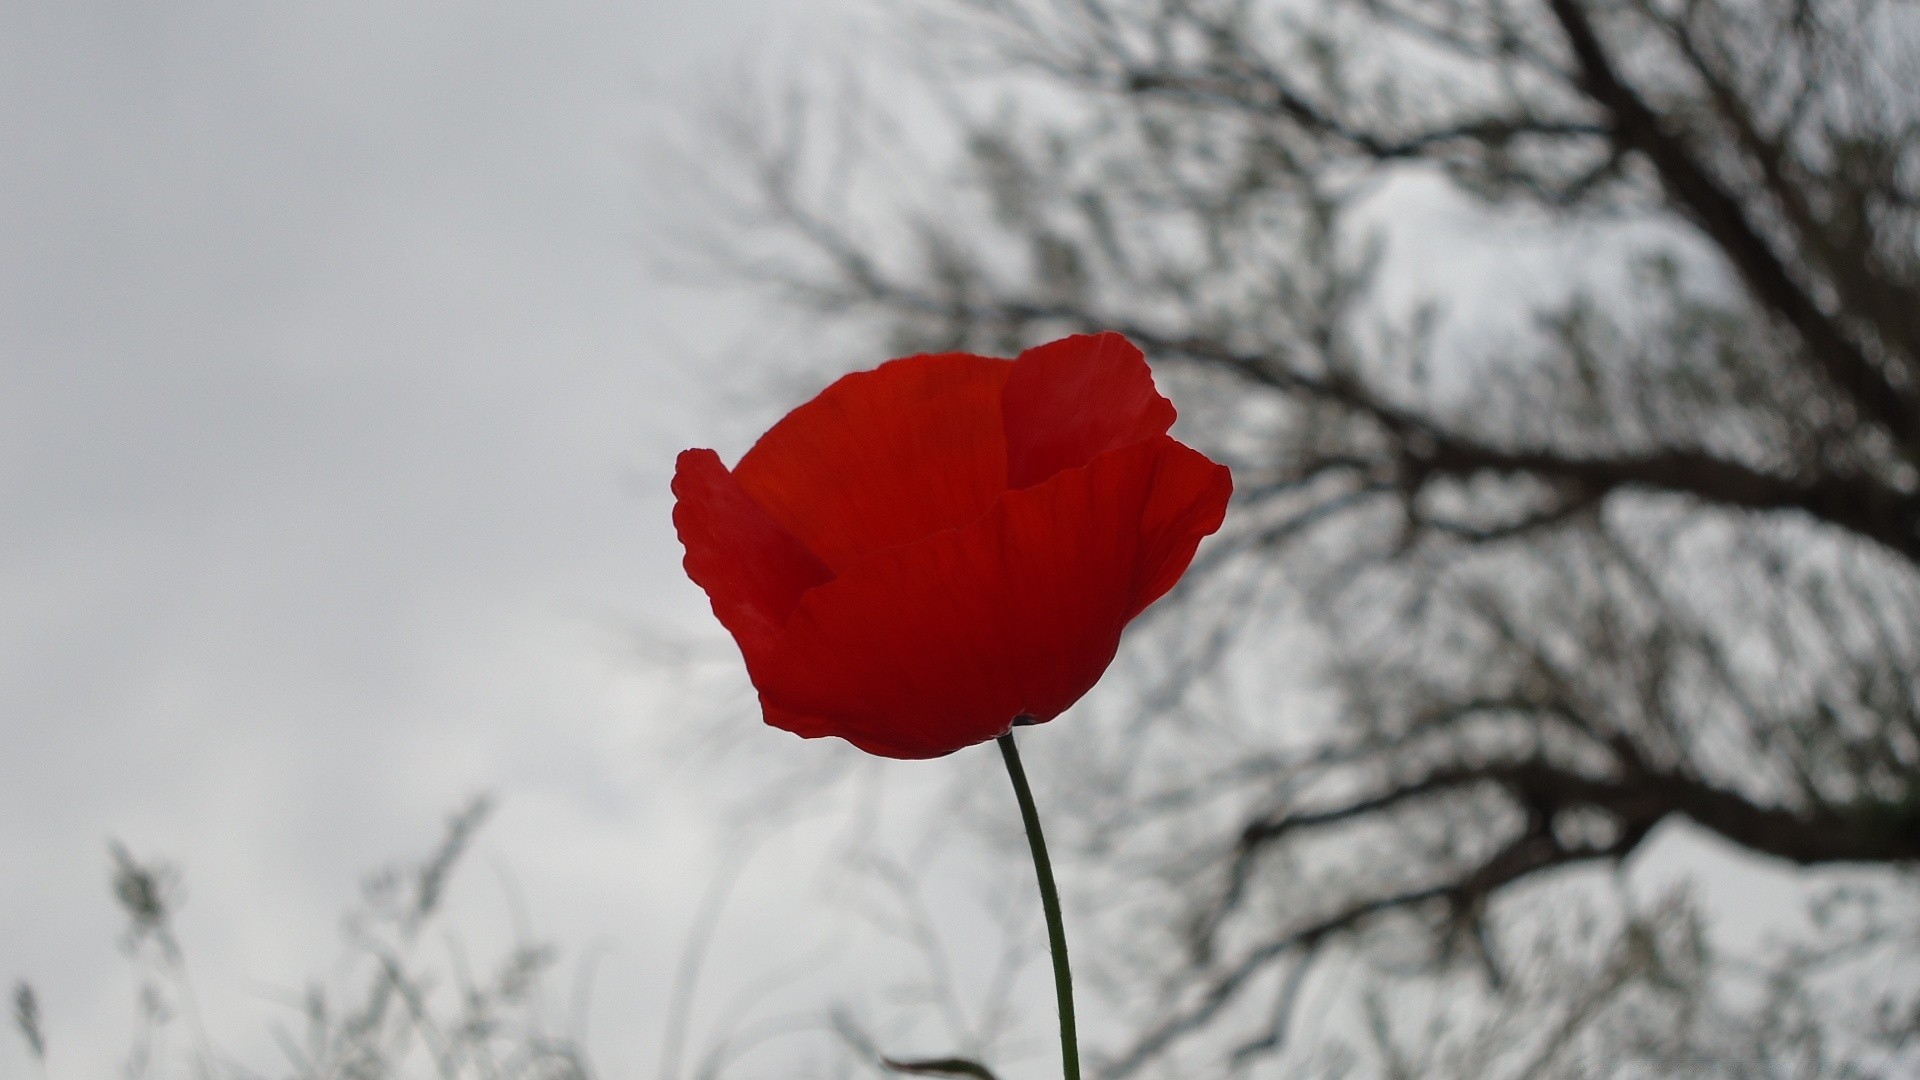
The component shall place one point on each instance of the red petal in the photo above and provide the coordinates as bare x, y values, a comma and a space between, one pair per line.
1185, 505
1072, 400
923, 649
753, 570
815, 727
885, 457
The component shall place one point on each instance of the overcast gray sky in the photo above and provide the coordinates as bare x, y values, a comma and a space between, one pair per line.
336, 407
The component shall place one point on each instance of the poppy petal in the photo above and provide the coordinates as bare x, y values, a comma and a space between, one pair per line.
1077, 398
752, 569
1187, 504
919, 650
880, 743
885, 457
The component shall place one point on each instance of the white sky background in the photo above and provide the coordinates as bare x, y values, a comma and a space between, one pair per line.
337, 403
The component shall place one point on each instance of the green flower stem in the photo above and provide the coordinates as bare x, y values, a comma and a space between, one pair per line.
1050, 901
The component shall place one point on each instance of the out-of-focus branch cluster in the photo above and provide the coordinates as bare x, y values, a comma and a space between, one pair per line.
1641, 546
414, 1013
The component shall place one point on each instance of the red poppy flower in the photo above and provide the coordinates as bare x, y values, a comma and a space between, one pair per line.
929, 550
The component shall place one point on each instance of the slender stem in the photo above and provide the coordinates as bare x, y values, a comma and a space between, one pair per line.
1050, 901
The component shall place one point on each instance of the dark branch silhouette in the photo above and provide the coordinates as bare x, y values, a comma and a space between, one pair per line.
1645, 551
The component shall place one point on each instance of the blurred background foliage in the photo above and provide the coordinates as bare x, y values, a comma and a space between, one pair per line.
413, 1003
1567, 354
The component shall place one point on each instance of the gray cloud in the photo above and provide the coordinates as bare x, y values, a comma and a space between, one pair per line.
325, 341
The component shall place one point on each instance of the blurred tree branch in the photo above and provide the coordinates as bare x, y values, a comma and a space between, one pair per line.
1642, 545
